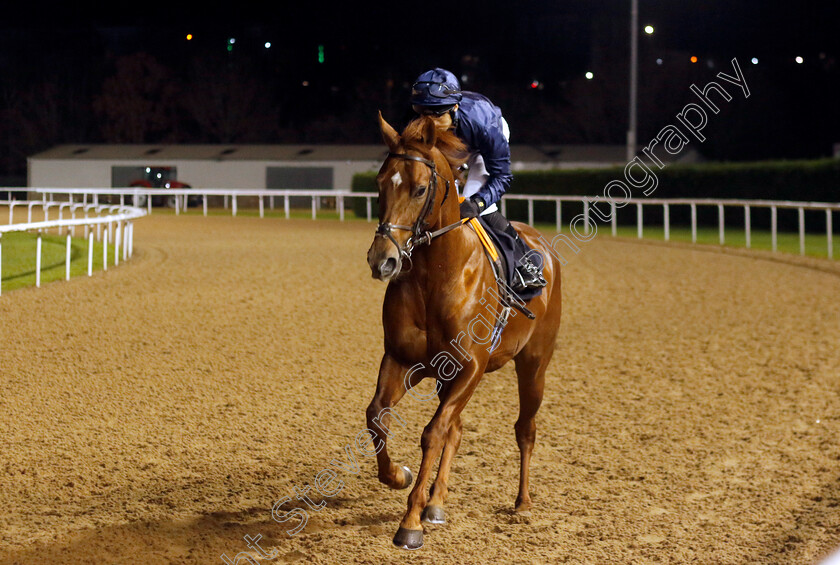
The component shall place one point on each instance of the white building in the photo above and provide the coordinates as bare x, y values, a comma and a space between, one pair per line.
325, 167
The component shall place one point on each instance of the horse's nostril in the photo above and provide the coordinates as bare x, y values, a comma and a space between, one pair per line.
387, 267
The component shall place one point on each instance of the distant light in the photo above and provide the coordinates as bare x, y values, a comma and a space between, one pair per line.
800, 60
159, 175
320, 53
755, 60
659, 61
189, 37
305, 83
649, 30
693, 59
232, 40
148, 169
535, 84
267, 44
589, 75
464, 78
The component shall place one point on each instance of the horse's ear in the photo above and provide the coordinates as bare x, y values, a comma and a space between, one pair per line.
389, 134
429, 132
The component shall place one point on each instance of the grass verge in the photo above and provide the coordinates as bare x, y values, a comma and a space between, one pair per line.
19, 250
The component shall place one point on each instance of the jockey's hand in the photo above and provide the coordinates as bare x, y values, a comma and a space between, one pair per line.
472, 207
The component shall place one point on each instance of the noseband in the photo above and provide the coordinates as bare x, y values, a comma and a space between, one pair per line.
419, 232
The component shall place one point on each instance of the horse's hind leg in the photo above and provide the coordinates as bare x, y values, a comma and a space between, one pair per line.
530, 370
390, 388
433, 513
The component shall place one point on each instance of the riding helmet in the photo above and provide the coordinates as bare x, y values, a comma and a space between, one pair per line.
437, 87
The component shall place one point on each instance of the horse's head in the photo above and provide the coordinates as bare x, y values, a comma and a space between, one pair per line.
414, 182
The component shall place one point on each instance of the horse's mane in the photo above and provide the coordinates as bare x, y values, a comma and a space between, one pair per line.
446, 141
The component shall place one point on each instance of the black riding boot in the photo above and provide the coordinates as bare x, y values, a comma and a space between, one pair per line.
528, 274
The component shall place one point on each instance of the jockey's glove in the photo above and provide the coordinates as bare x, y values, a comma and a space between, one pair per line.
472, 207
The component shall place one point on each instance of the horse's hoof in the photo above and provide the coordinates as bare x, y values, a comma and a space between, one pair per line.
407, 477
408, 539
433, 514
523, 509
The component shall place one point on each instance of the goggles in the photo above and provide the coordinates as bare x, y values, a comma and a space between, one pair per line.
436, 89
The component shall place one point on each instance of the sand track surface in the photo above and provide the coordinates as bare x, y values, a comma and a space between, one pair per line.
156, 412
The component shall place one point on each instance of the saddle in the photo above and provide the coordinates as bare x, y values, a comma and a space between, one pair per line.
500, 249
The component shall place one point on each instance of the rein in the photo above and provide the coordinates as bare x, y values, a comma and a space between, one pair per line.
419, 235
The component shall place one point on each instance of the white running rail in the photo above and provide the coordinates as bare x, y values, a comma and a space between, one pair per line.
117, 222
232, 196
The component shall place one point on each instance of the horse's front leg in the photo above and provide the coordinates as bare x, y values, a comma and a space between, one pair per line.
390, 388
454, 396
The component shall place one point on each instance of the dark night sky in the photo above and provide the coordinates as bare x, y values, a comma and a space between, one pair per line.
511, 44
713, 25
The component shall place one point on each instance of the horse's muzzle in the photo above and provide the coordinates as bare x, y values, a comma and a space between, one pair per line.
383, 261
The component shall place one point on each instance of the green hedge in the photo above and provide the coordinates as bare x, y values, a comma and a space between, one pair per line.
770, 180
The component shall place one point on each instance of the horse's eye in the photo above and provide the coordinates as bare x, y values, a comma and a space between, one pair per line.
421, 190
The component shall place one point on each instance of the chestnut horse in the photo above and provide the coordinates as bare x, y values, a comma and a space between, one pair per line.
438, 279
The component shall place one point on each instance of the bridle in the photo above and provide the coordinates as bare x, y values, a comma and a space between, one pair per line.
419, 233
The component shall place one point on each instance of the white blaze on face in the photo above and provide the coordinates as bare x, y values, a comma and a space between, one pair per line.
396, 179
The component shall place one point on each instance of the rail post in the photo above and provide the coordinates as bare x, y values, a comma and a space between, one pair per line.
773, 224
613, 218
90, 253
262, 206
125, 236
340, 208
105, 252
586, 217
117, 241
720, 224
558, 214
368, 208
129, 240
204, 204
314, 206
828, 233
801, 213
530, 211
235, 205
67, 258
1, 264
639, 220
666, 216
748, 226
38, 261
693, 222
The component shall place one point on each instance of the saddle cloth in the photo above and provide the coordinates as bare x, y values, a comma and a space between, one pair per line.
502, 250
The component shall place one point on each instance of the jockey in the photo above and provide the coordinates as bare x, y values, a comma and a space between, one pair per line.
479, 123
